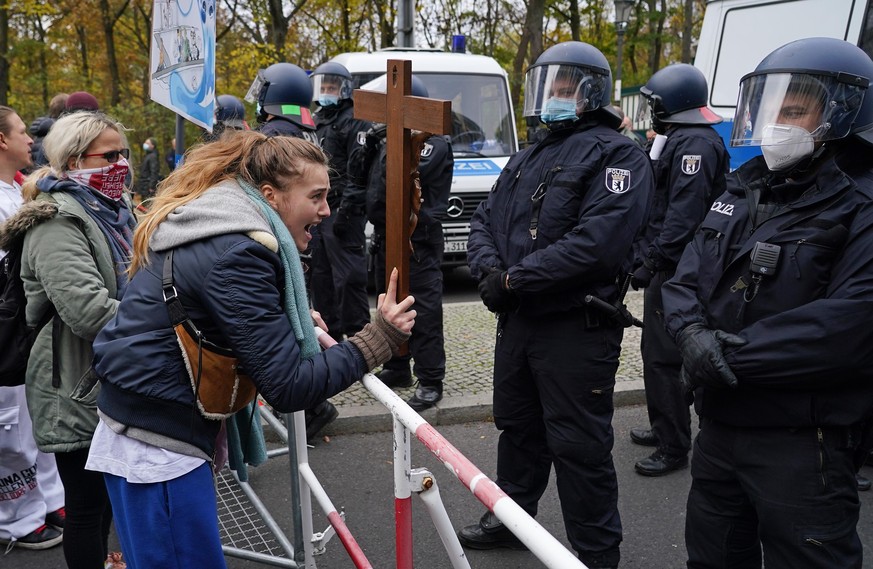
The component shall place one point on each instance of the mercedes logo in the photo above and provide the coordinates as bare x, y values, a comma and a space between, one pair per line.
456, 207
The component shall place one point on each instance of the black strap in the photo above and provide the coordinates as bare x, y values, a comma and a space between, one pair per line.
178, 314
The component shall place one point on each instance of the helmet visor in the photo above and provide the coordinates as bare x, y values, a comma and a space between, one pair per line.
823, 106
255, 88
330, 84
562, 82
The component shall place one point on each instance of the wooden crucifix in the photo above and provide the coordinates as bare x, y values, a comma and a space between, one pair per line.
401, 112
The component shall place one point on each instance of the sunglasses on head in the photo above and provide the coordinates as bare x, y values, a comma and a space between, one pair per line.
112, 155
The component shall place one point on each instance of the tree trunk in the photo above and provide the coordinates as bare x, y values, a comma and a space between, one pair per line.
278, 27
114, 76
574, 20
82, 34
4, 54
687, 26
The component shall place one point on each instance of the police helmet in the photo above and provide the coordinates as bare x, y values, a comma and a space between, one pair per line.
677, 94
567, 80
230, 112
285, 91
817, 84
333, 74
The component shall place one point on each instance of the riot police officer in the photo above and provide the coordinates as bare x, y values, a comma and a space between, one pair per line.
689, 174
557, 227
427, 344
284, 94
770, 307
230, 113
339, 262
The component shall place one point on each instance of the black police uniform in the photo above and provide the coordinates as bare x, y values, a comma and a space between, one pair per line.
775, 459
280, 126
562, 218
689, 174
339, 261
427, 345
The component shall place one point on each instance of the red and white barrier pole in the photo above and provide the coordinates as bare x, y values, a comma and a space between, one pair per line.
539, 541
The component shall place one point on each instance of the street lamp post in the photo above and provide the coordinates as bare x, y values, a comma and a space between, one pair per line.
622, 15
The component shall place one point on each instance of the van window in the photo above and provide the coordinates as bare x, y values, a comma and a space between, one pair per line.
771, 26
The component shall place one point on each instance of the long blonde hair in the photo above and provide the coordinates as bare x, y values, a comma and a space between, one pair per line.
252, 156
69, 137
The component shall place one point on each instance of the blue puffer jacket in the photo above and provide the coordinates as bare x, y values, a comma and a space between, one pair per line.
562, 217
230, 285
808, 359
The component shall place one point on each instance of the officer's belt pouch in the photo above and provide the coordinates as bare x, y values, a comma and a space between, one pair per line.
219, 389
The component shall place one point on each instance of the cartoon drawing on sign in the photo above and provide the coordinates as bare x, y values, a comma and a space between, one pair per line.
183, 59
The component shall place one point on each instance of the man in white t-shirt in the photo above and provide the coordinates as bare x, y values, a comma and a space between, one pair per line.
31, 493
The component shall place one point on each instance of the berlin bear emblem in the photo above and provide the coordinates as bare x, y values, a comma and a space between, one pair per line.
690, 164
618, 180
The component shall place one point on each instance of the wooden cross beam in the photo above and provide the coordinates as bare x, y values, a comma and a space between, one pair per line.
401, 112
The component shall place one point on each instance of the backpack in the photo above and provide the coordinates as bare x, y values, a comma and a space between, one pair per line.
15, 335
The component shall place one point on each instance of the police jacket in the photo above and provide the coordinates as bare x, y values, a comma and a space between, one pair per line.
562, 217
689, 175
435, 172
807, 320
338, 133
229, 277
279, 126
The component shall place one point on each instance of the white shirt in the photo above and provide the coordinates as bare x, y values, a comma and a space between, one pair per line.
136, 461
10, 201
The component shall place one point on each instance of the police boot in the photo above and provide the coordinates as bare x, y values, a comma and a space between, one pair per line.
489, 533
426, 396
644, 437
318, 418
395, 378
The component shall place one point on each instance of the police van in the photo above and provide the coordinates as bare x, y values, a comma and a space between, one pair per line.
483, 125
737, 34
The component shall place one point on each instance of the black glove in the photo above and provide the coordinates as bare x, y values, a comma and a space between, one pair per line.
375, 135
641, 277
342, 222
495, 295
703, 362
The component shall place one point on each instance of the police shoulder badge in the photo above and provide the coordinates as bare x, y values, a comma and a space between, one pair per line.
426, 150
361, 138
690, 164
618, 180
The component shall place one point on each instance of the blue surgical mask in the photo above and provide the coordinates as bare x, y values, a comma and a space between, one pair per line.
326, 100
558, 109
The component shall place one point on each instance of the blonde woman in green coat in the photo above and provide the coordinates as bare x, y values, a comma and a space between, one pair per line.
77, 228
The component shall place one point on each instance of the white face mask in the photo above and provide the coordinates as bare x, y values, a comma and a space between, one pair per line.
784, 145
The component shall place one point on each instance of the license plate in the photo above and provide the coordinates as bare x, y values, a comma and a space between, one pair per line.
455, 247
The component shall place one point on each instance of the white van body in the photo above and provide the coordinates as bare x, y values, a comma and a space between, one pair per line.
484, 134
738, 34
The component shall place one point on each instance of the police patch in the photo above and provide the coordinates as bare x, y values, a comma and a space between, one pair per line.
362, 137
426, 150
618, 180
690, 164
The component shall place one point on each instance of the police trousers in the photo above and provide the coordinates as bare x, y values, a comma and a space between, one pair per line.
427, 343
787, 494
339, 278
554, 379
667, 400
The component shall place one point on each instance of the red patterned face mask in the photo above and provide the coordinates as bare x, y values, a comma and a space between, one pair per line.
108, 180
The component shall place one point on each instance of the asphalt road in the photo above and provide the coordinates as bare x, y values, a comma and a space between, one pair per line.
357, 473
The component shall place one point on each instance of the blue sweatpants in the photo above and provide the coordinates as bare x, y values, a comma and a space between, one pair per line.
171, 525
